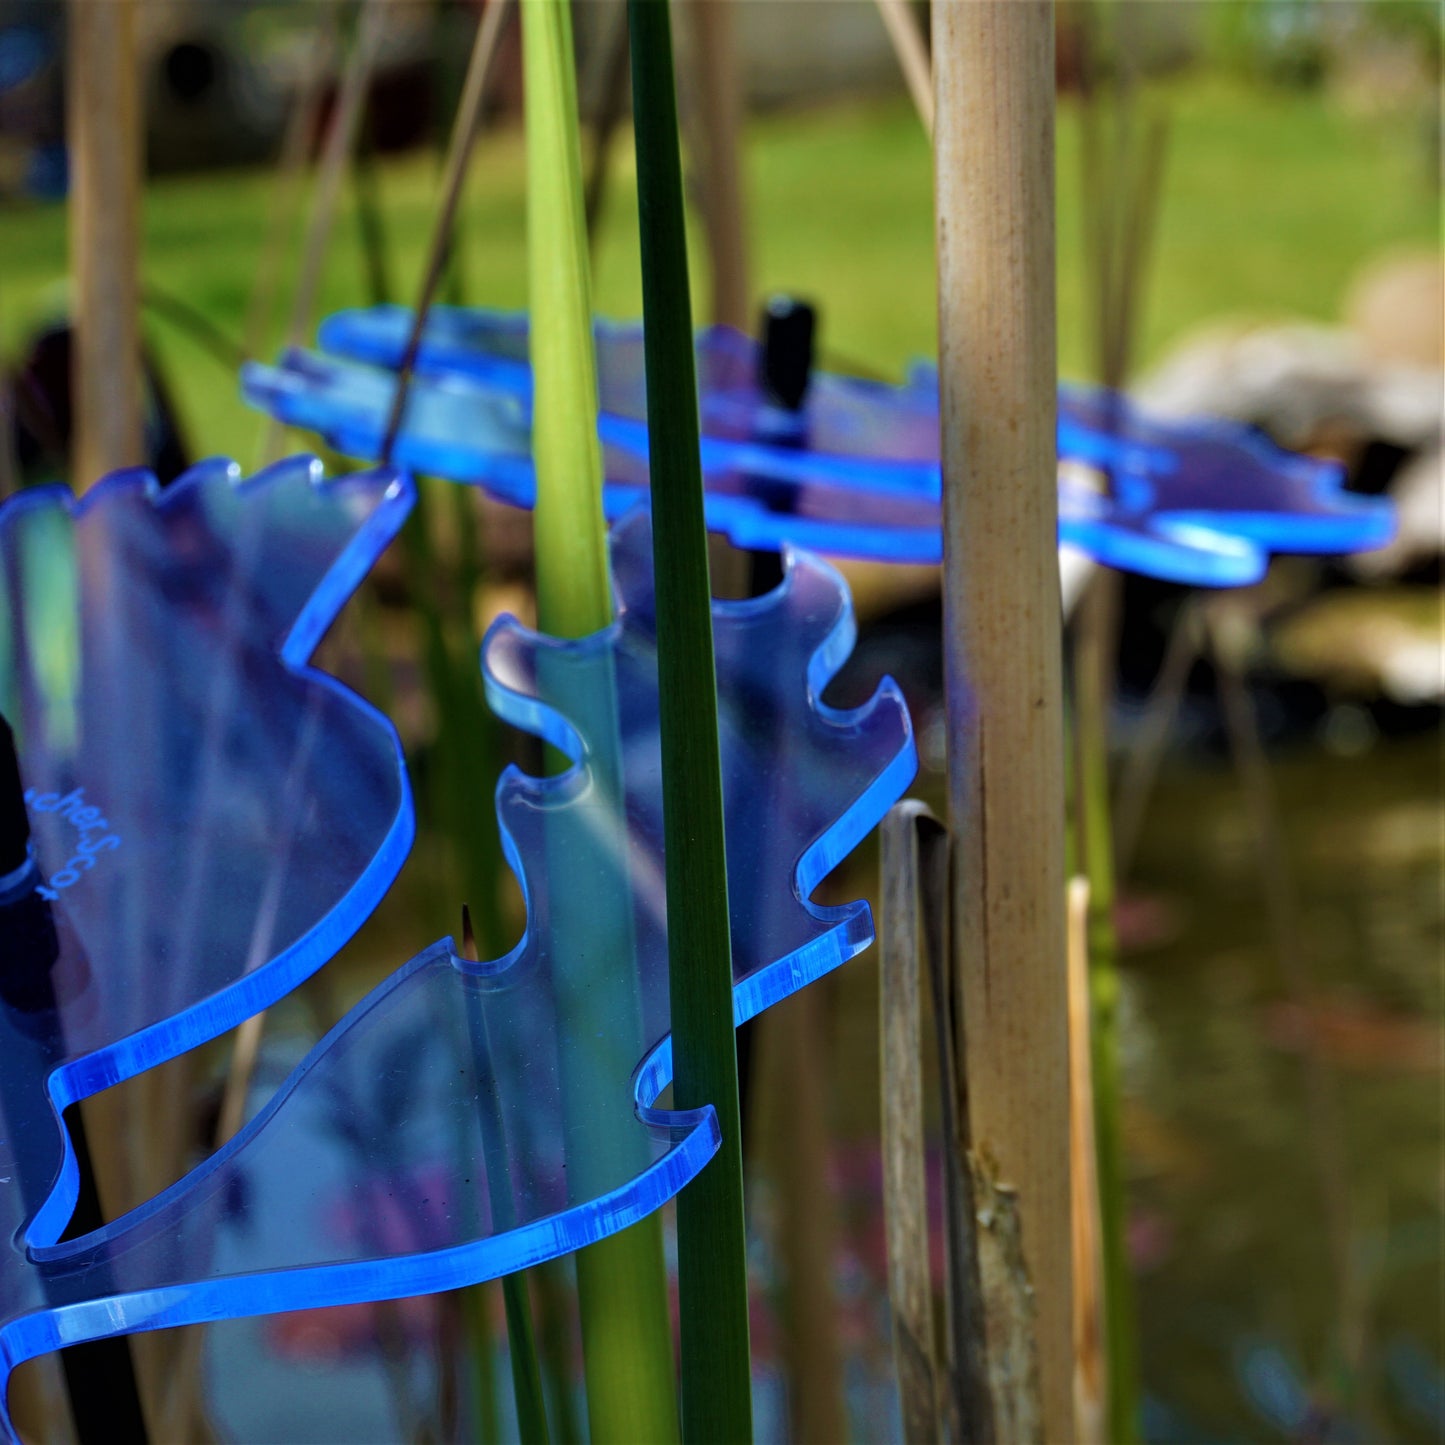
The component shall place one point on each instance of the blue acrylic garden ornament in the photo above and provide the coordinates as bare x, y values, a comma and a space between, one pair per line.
852, 468
480, 1116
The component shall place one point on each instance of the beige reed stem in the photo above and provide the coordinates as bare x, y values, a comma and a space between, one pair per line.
994, 187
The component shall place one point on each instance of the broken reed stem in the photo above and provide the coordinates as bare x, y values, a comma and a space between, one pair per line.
1010, 1304
968, 1409
905, 1173
104, 131
994, 189
911, 50
459, 150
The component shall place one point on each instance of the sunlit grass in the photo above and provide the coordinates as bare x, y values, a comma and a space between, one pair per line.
1272, 201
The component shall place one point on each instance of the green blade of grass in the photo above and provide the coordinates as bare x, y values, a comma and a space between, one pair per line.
526, 1370
621, 1281
573, 590
712, 1264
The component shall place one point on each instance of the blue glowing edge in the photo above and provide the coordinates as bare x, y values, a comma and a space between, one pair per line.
692, 1136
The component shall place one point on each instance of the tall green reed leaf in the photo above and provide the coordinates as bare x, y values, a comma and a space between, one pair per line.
573, 590
712, 1263
621, 1281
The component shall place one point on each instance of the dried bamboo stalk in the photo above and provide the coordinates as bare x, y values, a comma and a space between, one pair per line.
104, 133
720, 118
994, 188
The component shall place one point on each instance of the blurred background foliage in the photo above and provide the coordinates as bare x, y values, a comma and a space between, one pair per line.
1275, 195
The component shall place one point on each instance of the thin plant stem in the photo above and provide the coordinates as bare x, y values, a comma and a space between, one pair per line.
712, 1261
1093, 843
554, 1294
459, 150
225, 351
370, 220
1122, 179
300, 127
526, 1371
910, 49
340, 141
610, 81
521, 1337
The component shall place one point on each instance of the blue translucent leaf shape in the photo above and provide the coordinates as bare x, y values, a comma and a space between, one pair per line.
477, 1118
856, 470
212, 819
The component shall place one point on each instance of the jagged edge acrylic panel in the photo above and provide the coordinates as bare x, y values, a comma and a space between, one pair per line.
212, 817
855, 472
478, 1118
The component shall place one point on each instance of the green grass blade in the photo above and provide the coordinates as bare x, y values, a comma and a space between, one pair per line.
526, 1371
712, 1265
573, 590
621, 1281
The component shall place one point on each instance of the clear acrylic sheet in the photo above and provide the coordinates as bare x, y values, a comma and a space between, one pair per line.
476, 1118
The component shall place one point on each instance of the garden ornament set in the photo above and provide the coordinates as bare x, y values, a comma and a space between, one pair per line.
838, 463
211, 819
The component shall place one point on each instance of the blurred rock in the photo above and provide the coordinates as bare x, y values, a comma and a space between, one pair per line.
1371, 392
1397, 309
1300, 382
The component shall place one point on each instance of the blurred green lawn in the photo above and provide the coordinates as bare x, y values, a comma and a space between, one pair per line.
1272, 200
